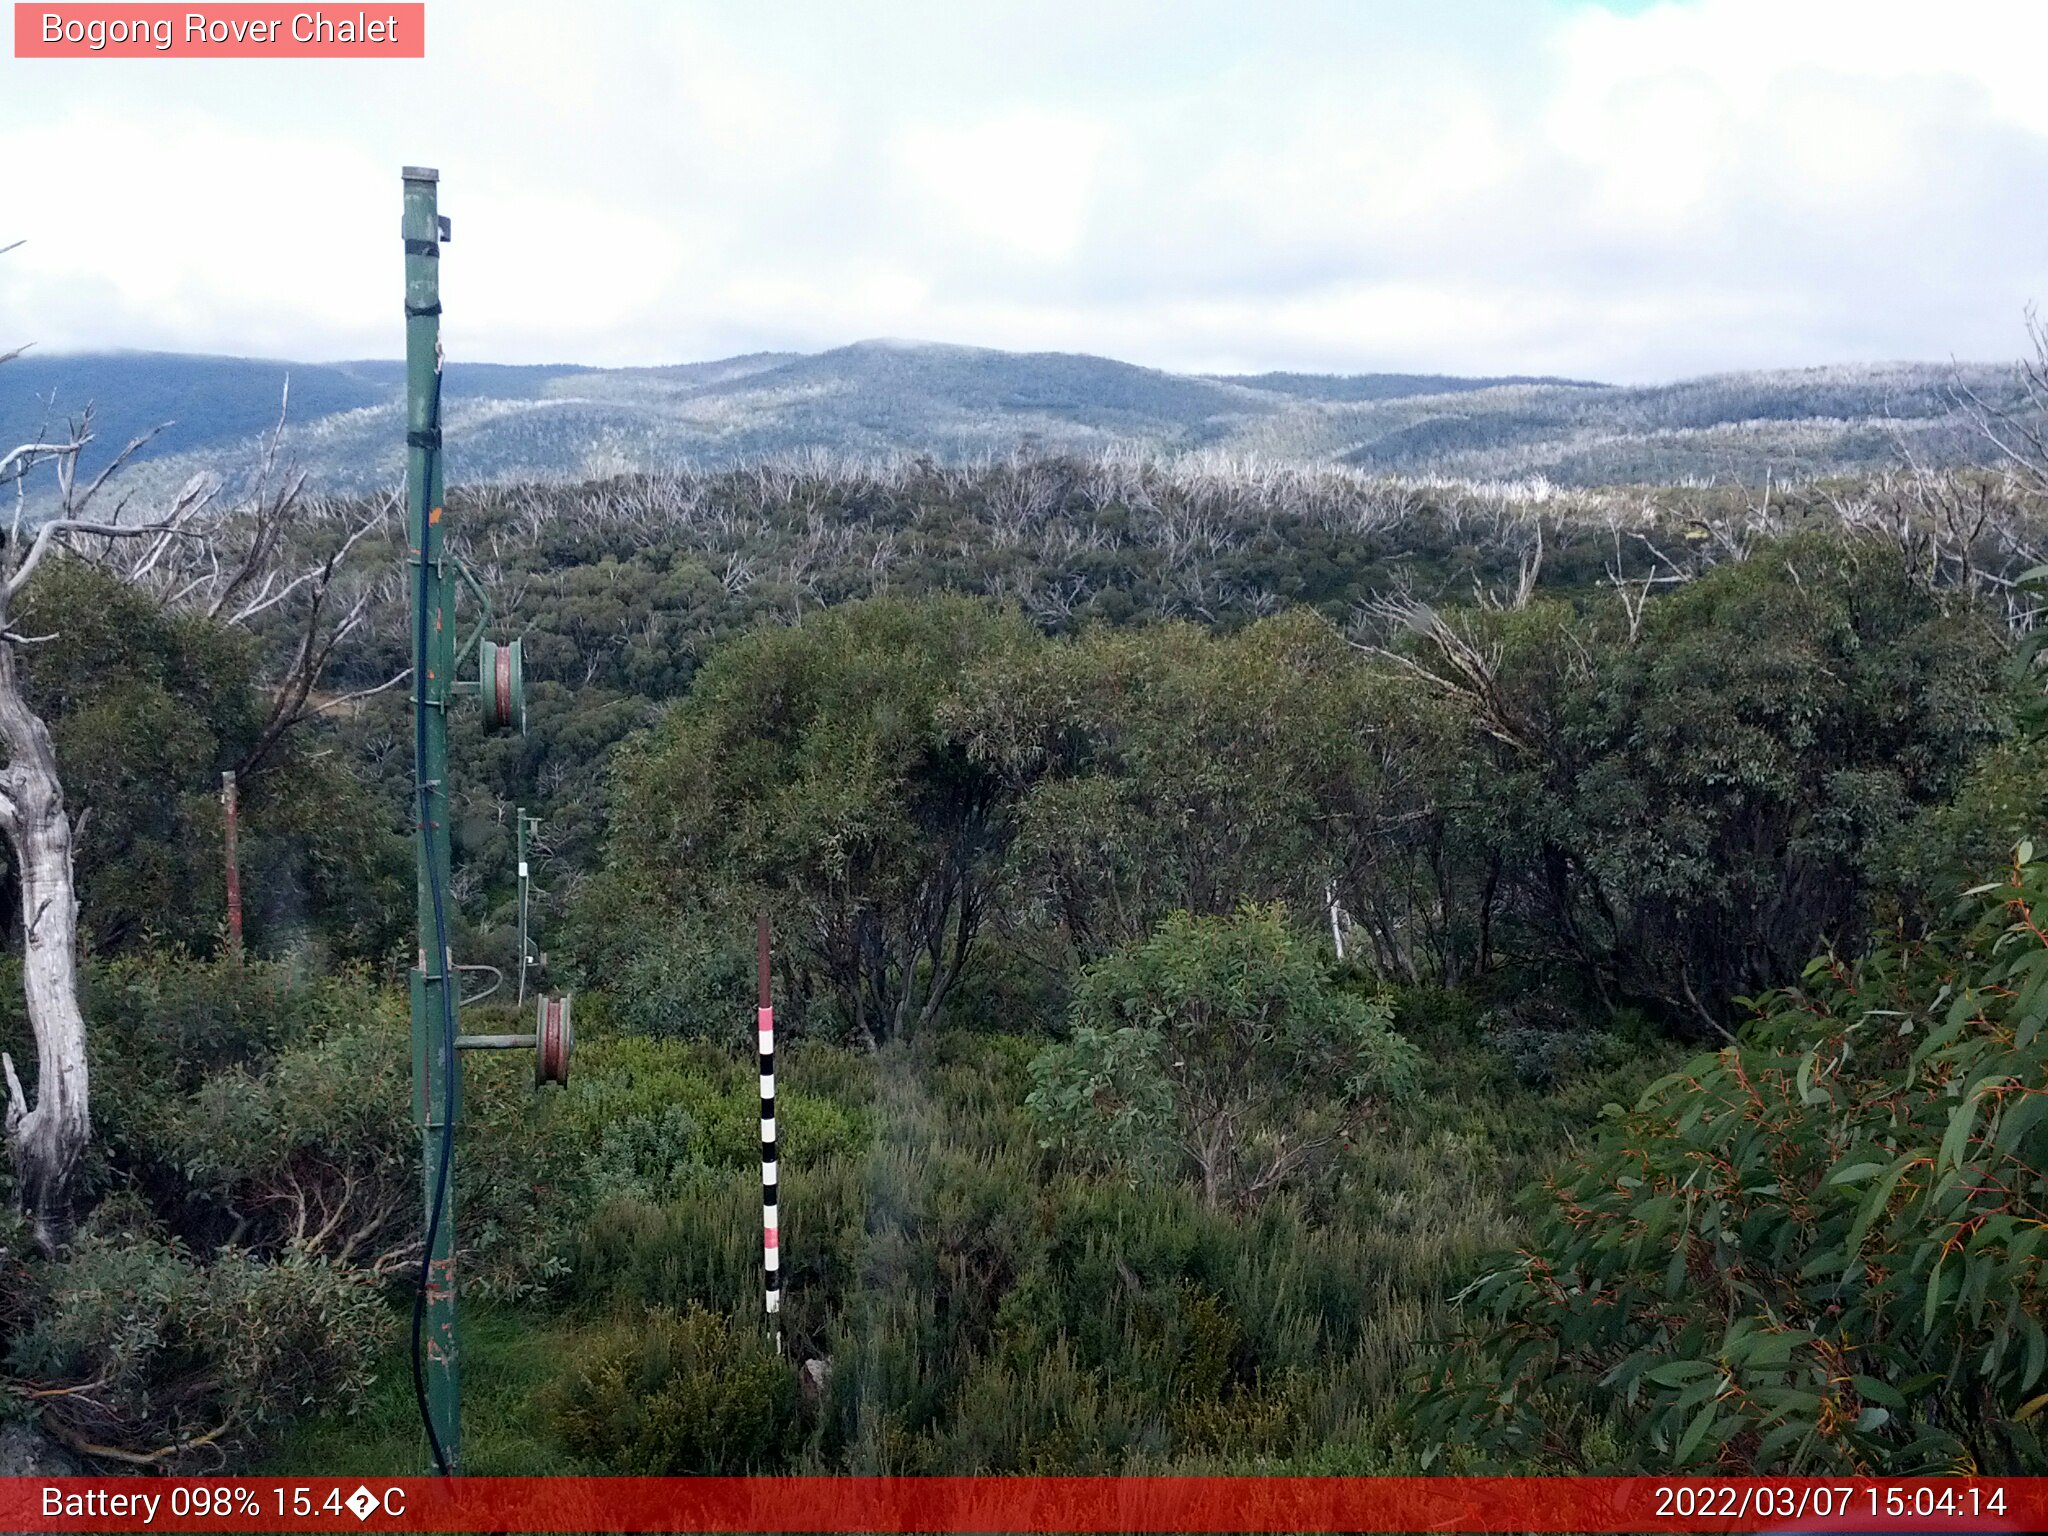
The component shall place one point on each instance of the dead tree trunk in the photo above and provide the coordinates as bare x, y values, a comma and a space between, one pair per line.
181, 561
46, 1140
47, 1136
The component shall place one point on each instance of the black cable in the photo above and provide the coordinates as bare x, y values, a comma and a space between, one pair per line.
426, 832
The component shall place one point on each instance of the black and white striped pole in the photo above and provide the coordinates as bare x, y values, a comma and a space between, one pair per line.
771, 1234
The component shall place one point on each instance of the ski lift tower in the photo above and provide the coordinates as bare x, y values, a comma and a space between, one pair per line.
436, 576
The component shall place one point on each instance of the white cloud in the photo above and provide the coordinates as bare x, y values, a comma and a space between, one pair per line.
1491, 186
1017, 184
144, 252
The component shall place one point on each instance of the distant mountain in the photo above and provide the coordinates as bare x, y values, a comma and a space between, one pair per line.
881, 397
212, 400
1378, 386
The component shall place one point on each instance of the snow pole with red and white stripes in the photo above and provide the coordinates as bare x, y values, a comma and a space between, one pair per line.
771, 1236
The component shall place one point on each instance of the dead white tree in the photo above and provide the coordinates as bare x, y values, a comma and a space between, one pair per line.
46, 1138
1528, 547
1454, 663
2017, 428
225, 565
280, 560
1635, 591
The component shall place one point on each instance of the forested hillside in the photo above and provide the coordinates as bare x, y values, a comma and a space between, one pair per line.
968, 404
1255, 949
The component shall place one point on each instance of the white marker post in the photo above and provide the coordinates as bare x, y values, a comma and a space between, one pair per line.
771, 1235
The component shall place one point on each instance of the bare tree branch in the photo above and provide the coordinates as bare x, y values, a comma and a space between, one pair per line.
1466, 671
65, 529
28, 455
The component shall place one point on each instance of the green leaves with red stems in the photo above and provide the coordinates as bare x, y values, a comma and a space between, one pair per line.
1817, 1249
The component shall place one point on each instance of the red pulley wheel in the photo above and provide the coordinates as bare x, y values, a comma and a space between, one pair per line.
554, 1038
501, 685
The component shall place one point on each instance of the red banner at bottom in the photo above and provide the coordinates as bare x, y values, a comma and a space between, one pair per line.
1020, 1504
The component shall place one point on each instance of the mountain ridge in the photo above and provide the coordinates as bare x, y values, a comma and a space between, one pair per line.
883, 397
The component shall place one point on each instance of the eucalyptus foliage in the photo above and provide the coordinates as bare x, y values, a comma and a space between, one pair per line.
1222, 1044
145, 710
1820, 1248
812, 771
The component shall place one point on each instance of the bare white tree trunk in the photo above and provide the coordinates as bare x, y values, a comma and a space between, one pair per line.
182, 565
47, 1135
46, 1139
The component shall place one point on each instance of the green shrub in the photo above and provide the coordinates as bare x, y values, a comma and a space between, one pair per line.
1246, 1423
1930, 858
174, 1351
1816, 1249
686, 978
985, 1309
1006, 988
1715, 790
815, 771
1545, 1043
1438, 1019
248, 1106
701, 1251
817, 1070
654, 1119
1048, 1416
172, 1019
1221, 1044
146, 707
668, 1395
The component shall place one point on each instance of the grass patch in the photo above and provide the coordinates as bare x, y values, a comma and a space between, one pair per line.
985, 1305
508, 1359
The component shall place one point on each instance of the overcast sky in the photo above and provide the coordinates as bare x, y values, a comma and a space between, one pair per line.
1616, 191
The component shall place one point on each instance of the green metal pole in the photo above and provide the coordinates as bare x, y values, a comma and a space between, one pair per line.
522, 903
435, 1068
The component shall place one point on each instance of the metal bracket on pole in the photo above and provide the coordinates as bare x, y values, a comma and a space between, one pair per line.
553, 1041
483, 616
